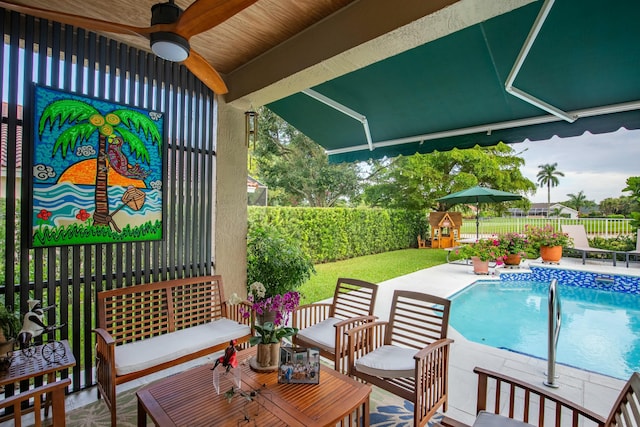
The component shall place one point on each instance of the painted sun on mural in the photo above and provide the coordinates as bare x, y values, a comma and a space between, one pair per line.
97, 171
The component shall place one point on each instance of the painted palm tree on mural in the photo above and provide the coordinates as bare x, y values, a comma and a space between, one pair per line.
114, 128
548, 176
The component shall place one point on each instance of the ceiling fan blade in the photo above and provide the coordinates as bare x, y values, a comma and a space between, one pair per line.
76, 20
205, 72
203, 15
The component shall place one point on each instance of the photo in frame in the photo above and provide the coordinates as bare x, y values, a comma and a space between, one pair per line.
97, 171
299, 365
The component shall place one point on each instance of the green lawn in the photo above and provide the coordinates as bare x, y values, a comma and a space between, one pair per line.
372, 268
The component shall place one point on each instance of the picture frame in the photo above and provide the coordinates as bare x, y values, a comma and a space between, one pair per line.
299, 365
98, 171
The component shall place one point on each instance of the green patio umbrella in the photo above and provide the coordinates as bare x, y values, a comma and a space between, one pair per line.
479, 195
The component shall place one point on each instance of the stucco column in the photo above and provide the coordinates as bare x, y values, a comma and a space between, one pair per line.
230, 217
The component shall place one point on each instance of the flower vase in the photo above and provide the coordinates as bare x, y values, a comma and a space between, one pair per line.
551, 254
479, 266
267, 357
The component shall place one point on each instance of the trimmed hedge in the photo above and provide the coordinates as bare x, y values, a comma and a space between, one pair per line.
332, 234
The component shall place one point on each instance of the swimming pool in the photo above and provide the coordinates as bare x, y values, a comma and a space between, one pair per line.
600, 328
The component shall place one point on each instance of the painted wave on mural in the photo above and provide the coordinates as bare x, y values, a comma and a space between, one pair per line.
66, 203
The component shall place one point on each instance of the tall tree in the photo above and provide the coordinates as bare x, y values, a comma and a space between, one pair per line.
415, 182
633, 185
579, 201
296, 169
548, 176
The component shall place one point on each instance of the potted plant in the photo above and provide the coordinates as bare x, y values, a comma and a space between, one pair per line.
513, 247
276, 262
480, 253
10, 325
548, 241
271, 332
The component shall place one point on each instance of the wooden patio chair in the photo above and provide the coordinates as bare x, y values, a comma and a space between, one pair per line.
55, 390
408, 355
422, 243
513, 403
323, 325
581, 243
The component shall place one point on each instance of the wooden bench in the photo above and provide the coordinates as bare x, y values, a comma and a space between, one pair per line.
146, 328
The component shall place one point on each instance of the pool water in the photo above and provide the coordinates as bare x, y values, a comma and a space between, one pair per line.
600, 329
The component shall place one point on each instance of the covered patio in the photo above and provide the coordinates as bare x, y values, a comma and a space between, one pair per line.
362, 78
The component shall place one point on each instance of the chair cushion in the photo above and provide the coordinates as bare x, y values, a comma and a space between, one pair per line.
487, 419
388, 361
322, 334
139, 355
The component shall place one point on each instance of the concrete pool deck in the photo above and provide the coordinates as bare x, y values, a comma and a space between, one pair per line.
593, 391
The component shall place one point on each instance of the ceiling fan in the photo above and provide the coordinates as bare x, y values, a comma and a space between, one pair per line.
169, 33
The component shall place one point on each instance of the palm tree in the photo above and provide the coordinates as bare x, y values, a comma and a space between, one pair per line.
548, 175
118, 126
577, 201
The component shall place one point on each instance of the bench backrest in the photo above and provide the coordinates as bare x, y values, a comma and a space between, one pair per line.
353, 298
141, 311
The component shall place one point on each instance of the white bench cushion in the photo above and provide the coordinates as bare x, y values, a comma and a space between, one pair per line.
139, 355
322, 334
388, 361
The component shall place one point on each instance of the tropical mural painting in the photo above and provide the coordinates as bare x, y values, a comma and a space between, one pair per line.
97, 171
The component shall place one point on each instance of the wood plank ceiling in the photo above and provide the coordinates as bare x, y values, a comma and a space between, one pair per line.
275, 48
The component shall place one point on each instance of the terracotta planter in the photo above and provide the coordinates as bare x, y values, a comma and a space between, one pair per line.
513, 259
268, 355
551, 254
480, 267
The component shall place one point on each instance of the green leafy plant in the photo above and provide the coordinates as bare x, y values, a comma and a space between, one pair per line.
268, 333
10, 323
547, 236
278, 263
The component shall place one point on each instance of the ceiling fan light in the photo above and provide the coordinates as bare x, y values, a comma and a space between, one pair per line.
170, 46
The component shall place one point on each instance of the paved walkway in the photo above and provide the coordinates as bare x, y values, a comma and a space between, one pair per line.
594, 391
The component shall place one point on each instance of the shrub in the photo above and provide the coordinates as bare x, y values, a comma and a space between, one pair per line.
278, 263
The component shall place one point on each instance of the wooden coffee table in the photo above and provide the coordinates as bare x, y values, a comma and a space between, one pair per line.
189, 399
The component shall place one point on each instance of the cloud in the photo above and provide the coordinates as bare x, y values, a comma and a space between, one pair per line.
599, 165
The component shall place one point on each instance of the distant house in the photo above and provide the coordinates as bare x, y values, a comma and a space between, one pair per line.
256, 192
540, 209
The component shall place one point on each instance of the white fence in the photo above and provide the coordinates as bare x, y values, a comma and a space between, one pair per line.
603, 227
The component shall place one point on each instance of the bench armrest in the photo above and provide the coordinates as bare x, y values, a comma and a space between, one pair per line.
523, 400
106, 365
309, 314
105, 336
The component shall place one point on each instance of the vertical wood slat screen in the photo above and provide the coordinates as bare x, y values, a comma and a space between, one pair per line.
78, 61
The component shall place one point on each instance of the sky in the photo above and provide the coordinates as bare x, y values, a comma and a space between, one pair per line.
599, 165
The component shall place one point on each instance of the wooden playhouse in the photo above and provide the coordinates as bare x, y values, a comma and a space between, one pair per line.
445, 229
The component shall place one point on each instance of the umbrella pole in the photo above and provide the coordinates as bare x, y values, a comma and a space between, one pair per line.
478, 221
